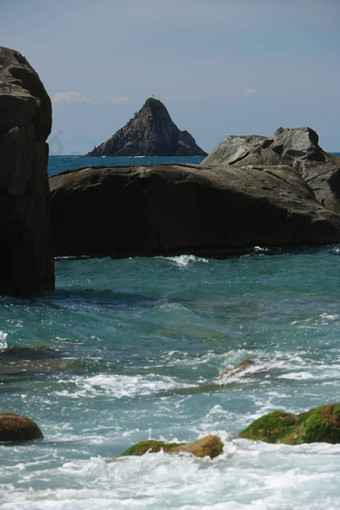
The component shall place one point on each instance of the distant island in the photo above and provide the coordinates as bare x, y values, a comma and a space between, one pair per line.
151, 132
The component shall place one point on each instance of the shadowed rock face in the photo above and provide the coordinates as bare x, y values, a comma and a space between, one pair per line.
26, 254
172, 209
150, 133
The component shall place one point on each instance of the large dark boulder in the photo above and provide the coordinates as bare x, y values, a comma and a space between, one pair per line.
298, 148
151, 132
213, 210
26, 254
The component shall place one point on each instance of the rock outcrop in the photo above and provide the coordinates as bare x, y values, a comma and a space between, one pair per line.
214, 210
238, 369
298, 148
17, 428
150, 133
26, 253
208, 446
321, 424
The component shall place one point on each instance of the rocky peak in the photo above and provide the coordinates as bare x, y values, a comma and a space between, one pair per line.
151, 132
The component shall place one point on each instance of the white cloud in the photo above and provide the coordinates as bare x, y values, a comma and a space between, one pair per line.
250, 92
70, 97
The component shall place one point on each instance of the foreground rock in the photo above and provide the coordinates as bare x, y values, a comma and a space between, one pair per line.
209, 446
150, 133
297, 148
321, 424
16, 428
26, 254
214, 210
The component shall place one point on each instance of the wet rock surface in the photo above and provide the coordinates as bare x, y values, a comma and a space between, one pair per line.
209, 446
321, 424
17, 428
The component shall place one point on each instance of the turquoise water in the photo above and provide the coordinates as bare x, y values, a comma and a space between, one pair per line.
125, 350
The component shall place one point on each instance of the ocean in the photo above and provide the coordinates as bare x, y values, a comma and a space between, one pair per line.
127, 350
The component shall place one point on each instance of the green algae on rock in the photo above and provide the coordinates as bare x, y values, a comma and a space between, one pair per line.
321, 424
209, 446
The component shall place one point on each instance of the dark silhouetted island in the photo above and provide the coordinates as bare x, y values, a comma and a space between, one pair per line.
151, 132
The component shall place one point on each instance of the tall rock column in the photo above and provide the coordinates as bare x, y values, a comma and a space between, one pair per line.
26, 252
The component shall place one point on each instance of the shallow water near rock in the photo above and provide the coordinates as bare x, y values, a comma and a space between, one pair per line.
126, 350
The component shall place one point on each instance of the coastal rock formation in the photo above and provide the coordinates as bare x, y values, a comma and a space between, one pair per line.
215, 210
298, 148
150, 133
15, 428
209, 446
321, 424
26, 253
238, 369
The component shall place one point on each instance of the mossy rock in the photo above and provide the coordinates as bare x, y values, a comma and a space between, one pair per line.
321, 424
209, 446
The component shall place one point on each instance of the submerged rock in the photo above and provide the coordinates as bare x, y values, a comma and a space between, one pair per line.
16, 428
209, 446
321, 424
236, 370
26, 253
150, 133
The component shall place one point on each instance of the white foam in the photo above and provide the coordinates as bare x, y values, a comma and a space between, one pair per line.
3, 338
118, 386
187, 260
247, 475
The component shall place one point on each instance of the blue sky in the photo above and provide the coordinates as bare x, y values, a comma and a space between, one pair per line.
221, 67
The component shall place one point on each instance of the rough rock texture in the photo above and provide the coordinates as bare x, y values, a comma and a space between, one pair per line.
26, 254
172, 209
321, 424
150, 133
297, 148
209, 446
15, 428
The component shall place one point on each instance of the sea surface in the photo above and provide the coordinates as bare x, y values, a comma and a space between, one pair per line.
127, 350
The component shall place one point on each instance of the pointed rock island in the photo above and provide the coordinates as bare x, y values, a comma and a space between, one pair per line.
151, 132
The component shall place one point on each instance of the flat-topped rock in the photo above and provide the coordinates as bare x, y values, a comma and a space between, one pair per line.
214, 210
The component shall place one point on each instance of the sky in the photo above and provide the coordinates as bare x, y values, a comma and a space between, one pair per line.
221, 67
